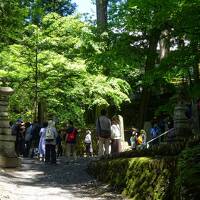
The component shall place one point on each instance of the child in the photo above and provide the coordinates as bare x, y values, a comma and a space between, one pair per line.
133, 138
88, 143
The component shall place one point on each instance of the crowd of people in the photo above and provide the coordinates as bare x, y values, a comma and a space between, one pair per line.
138, 139
43, 141
159, 125
49, 143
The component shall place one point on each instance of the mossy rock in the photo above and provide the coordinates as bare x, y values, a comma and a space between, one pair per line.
146, 176
151, 175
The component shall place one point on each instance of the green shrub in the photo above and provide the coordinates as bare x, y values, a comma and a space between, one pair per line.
188, 173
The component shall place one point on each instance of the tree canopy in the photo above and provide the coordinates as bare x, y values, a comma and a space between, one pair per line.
144, 49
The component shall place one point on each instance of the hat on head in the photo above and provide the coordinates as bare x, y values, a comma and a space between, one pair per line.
88, 132
142, 131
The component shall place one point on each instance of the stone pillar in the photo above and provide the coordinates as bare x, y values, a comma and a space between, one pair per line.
8, 157
121, 125
181, 123
147, 126
124, 144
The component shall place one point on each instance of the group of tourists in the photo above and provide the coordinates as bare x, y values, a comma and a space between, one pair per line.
26, 134
44, 141
48, 143
138, 139
159, 125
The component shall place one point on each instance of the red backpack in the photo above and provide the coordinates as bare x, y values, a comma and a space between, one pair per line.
71, 137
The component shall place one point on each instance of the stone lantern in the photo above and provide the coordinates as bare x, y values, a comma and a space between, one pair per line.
181, 123
8, 157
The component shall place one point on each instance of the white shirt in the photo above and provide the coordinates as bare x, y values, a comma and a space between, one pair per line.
88, 138
115, 131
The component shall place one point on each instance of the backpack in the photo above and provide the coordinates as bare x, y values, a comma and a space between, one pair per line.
103, 132
28, 135
139, 140
49, 135
154, 132
71, 137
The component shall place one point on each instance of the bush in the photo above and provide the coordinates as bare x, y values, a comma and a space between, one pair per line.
188, 173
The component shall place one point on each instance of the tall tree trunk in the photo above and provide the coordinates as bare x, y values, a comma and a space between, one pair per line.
42, 111
150, 63
196, 66
164, 44
36, 85
101, 10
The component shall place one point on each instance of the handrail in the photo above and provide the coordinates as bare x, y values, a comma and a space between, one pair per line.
172, 129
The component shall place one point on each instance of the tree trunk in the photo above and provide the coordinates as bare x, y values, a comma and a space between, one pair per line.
36, 85
150, 63
101, 10
196, 66
42, 112
164, 44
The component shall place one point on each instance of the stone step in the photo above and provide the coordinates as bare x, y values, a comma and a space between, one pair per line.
5, 131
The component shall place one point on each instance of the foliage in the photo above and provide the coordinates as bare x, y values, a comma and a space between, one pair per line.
131, 25
11, 24
52, 55
66, 57
187, 181
38, 9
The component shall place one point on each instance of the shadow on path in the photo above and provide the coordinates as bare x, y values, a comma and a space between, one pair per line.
67, 180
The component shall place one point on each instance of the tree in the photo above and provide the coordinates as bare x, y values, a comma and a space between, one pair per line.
11, 21
101, 12
69, 90
62, 7
39, 8
135, 30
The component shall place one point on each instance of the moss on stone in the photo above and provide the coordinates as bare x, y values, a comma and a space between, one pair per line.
154, 175
140, 178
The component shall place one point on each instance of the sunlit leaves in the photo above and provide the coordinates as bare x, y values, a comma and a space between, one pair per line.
53, 55
11, 16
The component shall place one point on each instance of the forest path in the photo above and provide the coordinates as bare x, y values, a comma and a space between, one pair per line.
35, 180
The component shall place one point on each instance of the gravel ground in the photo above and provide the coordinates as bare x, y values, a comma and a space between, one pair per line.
65, 181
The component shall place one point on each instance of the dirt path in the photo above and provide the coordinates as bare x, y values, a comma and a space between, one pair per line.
64, 181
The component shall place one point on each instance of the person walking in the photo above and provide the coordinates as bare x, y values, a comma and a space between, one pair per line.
71, 136
59, 145
50, 142
28, 138
103, 131
154, 131
41, 146
115, 136
88, 143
